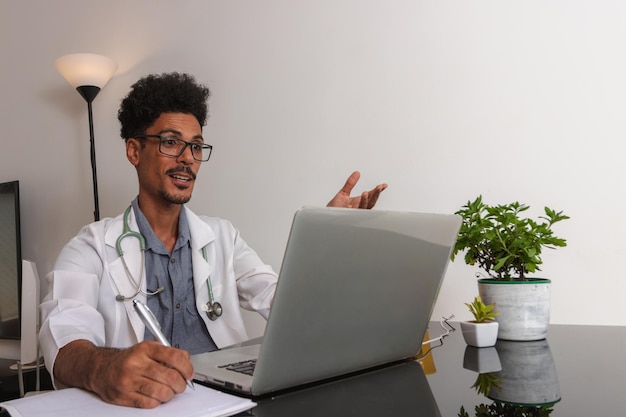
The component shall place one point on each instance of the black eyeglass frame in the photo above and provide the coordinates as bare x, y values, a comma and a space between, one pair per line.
161, 138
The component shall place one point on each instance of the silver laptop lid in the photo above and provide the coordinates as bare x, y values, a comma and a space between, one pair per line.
356, 290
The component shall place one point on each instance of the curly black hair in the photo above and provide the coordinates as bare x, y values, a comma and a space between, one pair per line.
155, 94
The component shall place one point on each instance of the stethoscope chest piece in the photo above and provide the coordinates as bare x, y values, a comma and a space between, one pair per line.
213, 310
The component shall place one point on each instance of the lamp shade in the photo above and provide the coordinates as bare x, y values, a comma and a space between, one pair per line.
86, 69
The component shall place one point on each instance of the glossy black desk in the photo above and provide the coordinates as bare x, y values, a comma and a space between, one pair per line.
580, 370
584, 365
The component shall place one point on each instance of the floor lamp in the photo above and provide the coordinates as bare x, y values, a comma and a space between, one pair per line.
88, 73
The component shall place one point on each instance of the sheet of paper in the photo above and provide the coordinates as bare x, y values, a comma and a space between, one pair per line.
73, 402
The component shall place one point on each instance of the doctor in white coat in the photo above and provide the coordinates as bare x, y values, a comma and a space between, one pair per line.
90, 335
238, 278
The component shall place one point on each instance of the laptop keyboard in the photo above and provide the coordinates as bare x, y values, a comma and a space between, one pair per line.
244, 367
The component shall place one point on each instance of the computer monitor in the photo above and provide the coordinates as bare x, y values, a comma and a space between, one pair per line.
10, 261
19, 283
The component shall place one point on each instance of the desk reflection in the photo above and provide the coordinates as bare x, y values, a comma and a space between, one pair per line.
528, 375
520, 377
397, 390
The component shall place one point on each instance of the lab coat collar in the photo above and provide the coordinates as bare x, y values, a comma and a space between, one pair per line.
201, 233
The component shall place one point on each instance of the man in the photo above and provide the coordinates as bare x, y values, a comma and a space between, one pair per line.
90, 334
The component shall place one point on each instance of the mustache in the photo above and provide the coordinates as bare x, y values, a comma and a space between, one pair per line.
183, 169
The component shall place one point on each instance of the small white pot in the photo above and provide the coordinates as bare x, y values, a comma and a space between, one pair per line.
480, 334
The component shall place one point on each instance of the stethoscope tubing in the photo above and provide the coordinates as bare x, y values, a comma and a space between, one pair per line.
212, 308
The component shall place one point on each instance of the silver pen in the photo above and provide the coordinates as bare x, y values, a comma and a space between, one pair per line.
154, 327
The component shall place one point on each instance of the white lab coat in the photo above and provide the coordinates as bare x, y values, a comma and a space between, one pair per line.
86, 278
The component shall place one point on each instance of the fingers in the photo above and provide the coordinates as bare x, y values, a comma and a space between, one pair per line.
166, 367
369, 198
374, 194
350, 183
146, 394
365, 200
144, 375
176, 359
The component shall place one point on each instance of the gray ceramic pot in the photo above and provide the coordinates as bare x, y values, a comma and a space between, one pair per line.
524, 307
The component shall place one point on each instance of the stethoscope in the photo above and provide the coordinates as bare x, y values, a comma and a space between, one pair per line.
212, 308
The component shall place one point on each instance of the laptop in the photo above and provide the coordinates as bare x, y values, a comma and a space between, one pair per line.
355, 291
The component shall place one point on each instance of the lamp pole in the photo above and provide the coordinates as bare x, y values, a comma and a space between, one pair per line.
89, 92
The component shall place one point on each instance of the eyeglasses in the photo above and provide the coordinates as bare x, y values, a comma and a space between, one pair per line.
175, 146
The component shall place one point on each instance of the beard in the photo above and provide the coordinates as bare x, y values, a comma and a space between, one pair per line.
178, 199
175, 199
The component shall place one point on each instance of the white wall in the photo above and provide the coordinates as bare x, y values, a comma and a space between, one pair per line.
444, 100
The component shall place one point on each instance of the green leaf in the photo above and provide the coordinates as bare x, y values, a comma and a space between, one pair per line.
501, 241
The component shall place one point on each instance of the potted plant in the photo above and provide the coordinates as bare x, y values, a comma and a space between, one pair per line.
508, 246
483, 330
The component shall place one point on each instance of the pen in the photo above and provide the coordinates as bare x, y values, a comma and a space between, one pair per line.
154, 327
